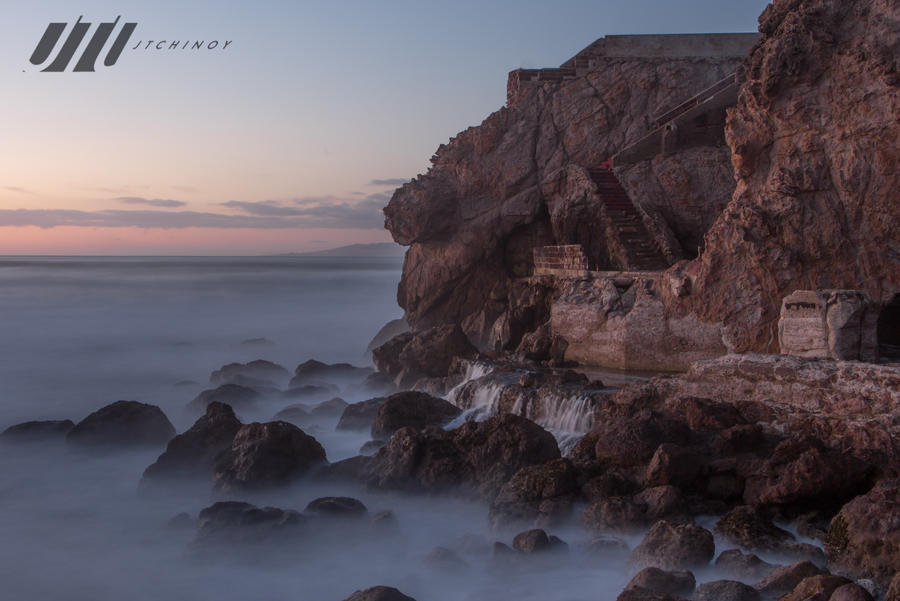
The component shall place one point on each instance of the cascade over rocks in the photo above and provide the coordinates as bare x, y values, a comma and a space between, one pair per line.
123, 423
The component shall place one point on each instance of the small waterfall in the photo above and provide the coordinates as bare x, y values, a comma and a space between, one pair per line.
485, 393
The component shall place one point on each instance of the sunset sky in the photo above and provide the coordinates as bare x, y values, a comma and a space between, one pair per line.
293, 137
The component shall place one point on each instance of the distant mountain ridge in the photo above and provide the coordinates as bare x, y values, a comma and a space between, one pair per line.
377, 249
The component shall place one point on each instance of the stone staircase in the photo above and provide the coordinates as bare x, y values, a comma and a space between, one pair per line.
641, 249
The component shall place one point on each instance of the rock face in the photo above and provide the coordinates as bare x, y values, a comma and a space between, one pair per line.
38, 430
864, 538
411, 409
193, 453
808, 160
805, 160
520, 180
123, 423
265, 455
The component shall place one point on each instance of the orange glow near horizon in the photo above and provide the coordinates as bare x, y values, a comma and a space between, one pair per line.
188, 241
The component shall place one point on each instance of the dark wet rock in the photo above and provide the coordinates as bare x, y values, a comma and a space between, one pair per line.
442, 558
642, 594
785, 578
674, 465
193, 453
426, 354
232, 522
297, 414
360, 416
379, 593
123, 423
803, 473
333, 407
337, 507
37, 431
628, 439
477, 455
378, 384
614, 514
661, 502
352, 469
725, 590
707, 414
255, 373
750, 528
893, 591
501, 550
675, 546
411, 409
864, 537
850, 592
384, 521
181, 521
734, 563
537, 541
607, 547
390, 330
269, 454
661, 581
609, 484
310, 392
337, 373
239, 397
542, 495
815, 587
371, 447
813, 525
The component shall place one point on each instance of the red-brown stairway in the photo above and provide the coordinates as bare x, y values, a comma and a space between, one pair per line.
642, 251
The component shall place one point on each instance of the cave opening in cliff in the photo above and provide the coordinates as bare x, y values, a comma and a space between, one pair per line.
889, 330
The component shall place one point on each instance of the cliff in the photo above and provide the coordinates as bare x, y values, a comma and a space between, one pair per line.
811, 142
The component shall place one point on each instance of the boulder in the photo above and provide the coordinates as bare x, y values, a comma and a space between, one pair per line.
628, 438
542, 495
784, 579
660, 581
537, 541
312, 371
614, 514
850, 592
802, 472
337, 507
37, 431
270, 454
661, 502
674, 465
379, 593
310, 392
234, 395
743, 566
231, 522
411, 409
725, 590
297, 414
333, 407
864, 537
254, 373
360, 416
479, 455
193, 453
444, 559
642, 594
425, 354
893, 592
748, 527
675, 547
816, 587
123, 423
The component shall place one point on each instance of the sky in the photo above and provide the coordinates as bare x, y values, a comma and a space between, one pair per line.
291, 138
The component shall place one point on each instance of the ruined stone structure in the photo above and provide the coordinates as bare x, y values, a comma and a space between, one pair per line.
835, 324
563, 261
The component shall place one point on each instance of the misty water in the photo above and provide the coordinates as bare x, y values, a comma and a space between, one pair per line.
80, 333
